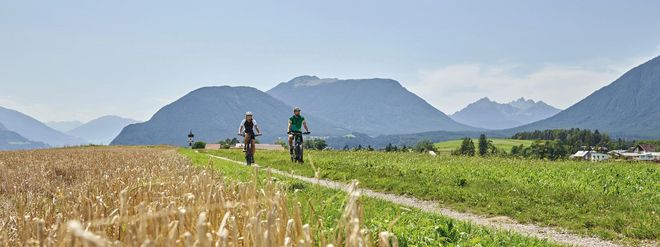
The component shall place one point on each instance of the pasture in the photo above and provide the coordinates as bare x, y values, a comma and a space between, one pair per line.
613, 200
447, 147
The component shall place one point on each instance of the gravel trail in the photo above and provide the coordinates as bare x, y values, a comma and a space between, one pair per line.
503, 223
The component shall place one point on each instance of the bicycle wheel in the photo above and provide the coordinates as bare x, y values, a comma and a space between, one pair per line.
248, 154
298, 152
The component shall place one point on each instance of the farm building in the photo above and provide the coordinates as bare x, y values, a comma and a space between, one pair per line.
641, 148
590, 155
641, 156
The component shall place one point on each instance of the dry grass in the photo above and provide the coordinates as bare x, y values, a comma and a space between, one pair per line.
153, 197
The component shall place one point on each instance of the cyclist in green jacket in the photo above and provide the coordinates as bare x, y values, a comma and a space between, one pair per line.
296, 122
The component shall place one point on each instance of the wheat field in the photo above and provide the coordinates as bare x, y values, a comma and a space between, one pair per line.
152, 196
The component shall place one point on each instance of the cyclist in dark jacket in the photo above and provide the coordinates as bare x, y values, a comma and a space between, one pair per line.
248, 125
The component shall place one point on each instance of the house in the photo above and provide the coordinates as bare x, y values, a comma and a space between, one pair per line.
275, 147
590, 155
213, 146
641, 148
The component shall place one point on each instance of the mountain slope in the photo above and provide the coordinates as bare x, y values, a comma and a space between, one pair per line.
101, 130
32, 129
628, 107
64, 126
488, 114
10, 140
213, 114
371, 106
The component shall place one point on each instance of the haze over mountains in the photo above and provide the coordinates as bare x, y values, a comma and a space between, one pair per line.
64, 126
10, 140
489, 114
20, 131
34, 130
628, 107
214, 113
101, 130
371, 106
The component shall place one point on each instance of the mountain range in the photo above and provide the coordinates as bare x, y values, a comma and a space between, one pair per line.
20, 131
214, 113
367, 111
489, 114
628, 107
10, 140
34, 130
370, 106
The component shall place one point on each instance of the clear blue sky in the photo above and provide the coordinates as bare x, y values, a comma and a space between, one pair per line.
62, 60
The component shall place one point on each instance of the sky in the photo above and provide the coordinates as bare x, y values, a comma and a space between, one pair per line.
79, 60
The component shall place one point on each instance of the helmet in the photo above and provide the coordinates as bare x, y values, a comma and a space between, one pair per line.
296, 109
248, 113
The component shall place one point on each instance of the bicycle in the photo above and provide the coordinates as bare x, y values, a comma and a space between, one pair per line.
249, 156
297, 155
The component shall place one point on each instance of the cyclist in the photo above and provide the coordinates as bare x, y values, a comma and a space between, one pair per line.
248, 125
295, 123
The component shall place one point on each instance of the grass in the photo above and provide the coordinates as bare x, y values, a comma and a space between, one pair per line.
412, 227
612, 200
447, 147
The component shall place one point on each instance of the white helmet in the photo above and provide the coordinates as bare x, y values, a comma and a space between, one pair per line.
248, 113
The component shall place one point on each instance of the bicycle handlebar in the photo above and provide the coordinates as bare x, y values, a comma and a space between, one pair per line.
298, 133
243, 134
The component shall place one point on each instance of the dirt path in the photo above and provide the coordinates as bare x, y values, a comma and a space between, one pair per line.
504, 223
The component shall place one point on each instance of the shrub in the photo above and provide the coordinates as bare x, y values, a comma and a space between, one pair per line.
424, 146
199, 145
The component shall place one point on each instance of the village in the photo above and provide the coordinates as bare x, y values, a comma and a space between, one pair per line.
641, 152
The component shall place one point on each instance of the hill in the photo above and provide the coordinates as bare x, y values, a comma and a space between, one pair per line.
214, 113
489, 114
34, 130
101, 130
628, 107
64, 126
10, 140
371, 106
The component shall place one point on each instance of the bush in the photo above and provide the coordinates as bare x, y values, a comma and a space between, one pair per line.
424, 146
199, 145
316, 144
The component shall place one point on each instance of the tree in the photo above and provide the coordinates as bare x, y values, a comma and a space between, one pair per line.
467, 147
389, 147
199, 145
424, 145
346, 148
315, 144
483, 145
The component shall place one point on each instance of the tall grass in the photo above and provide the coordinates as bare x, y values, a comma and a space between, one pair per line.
154, 197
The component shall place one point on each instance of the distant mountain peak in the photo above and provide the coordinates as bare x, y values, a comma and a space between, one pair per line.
488, 114
101, 130
310, 81
373, 106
